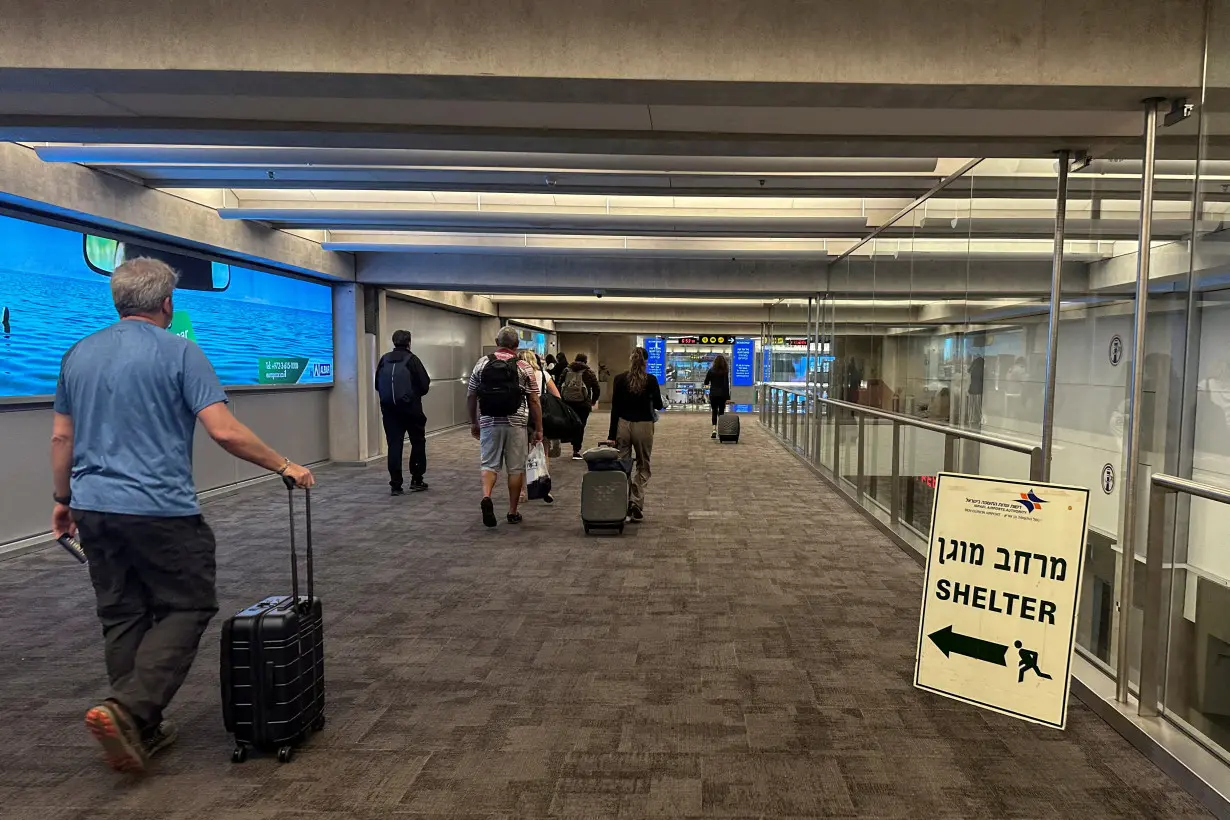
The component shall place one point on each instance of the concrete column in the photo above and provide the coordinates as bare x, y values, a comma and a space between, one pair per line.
351, 394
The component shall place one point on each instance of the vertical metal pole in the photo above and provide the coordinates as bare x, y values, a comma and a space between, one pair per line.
836, 450
1036, 464
807, 386
1193, 320
1052, 342
1151, 643
862, 431
894, 496
950, 453
1127, 536
794, 422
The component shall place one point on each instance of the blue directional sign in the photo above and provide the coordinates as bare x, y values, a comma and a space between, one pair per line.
743, 369
655, 346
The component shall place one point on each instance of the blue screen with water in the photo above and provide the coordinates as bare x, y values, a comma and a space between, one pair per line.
254, 331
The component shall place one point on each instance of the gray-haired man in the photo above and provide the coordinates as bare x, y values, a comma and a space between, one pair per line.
126, 406
502, 400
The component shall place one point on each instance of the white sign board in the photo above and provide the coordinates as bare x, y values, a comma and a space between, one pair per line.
1001, 595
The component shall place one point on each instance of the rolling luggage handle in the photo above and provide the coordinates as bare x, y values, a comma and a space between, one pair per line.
294, 557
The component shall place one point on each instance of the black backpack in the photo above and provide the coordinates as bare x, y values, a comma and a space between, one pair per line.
499, 388
395, 382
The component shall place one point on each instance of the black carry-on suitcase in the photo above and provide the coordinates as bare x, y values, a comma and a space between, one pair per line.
273, 663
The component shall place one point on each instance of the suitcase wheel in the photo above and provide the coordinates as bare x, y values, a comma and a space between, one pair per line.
587, 529
240, 754
621, 529
286, 754
319, 723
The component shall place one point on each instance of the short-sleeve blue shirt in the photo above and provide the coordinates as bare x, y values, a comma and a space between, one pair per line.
133, 391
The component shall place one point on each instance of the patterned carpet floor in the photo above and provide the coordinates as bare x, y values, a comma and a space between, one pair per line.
745, 653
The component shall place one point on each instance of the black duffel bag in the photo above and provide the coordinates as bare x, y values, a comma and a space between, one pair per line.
559, 421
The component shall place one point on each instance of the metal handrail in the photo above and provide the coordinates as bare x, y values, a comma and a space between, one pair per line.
1184, 485
945, 429
782, 398
1152, 636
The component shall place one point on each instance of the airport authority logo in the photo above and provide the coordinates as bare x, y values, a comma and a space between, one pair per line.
1030, 501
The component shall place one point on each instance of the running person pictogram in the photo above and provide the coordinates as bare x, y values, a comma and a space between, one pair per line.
1029, 660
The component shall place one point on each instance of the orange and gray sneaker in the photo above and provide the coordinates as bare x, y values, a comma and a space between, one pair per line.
117, 732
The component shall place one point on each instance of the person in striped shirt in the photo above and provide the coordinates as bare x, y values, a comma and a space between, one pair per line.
502, 397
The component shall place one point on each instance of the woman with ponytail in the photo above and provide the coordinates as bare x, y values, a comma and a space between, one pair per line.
635, 396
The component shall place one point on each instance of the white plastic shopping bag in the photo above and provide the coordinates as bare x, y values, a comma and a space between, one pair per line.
536, 474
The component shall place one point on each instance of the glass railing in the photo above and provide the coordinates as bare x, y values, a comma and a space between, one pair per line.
1184, 626
885, 462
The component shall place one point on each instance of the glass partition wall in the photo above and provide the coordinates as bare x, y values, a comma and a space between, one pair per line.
944, 319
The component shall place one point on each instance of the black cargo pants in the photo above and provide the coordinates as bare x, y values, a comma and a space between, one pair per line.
397, 425
154, 585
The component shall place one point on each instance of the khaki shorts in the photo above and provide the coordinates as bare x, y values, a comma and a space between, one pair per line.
505, 447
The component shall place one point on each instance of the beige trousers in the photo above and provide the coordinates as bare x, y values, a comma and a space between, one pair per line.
637, 436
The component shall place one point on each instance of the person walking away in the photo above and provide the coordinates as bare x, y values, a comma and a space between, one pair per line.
718, 382
545, 386
502, 399
635, 395
580, 391
561, 367
126, 406
401, 382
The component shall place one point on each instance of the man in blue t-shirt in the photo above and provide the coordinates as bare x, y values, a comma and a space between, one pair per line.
126, 407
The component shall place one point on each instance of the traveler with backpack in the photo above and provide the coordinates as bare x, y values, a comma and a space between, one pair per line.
545, 387
401, 382
502, 398
579, 390
718, 382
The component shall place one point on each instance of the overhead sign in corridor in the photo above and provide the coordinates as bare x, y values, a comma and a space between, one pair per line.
743, 366
1001, 595
655, 347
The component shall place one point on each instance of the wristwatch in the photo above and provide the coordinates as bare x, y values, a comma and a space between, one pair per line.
282, 470
62, 499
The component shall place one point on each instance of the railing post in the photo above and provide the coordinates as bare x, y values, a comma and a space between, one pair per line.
794, 422
1037, 464
862, 431
815, 430
894, 496
836, 449
950, 452
1151, 644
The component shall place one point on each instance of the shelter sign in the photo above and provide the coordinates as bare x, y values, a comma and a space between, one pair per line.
1001, 595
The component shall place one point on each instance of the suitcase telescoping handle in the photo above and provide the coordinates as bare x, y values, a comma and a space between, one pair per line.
294, 557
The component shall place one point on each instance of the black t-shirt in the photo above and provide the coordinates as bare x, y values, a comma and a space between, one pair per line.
719, 385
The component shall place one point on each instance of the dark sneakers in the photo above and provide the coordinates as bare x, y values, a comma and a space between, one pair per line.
576, 456
548, 499
635, 515
397, 491
514, 518
489, 513
160, 737
418, 485
116, 731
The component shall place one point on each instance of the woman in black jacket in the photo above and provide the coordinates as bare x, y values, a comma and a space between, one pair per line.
635, 396
718, 382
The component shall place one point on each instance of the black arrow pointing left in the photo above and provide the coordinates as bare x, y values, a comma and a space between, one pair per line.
969, 646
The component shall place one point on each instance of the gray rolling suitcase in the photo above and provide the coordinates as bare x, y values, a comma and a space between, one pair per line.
728, 427
604, 500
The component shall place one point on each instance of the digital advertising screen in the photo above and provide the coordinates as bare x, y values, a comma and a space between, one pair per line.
655, 347
743, 366
255, 327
